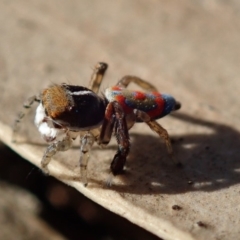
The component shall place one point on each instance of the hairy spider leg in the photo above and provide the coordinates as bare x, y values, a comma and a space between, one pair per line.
122, 137
126, 80
53, 148
156, 127
107, 126
97, 76
86, 143
121, 132
26, 107
87, 140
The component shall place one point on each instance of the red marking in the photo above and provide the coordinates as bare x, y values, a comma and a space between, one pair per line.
155, 113
139, 95
121, 100
156, 94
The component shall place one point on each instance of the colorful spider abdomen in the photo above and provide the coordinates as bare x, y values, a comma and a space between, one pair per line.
155, 104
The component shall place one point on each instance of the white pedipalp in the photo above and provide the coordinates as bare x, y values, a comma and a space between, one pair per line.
40, 115
48, 132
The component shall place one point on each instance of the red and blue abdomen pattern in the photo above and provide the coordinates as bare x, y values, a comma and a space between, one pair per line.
155, 104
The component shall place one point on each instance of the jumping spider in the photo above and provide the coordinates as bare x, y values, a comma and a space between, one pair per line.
66, 111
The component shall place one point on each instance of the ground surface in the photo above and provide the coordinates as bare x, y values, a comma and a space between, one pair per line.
187, 48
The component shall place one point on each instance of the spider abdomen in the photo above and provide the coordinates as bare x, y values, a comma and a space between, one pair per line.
155, 104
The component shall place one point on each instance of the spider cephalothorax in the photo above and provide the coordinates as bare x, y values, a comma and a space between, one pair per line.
66, 111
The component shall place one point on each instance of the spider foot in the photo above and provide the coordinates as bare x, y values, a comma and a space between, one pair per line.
14, 138
45, 170
118, 163
84, 181
109, 181
85, 184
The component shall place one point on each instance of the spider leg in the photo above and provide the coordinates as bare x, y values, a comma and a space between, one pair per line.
122, 137
126, 80
115, 118
52, 149
26, 107
87, 141
97, 76
107, 126
156, 127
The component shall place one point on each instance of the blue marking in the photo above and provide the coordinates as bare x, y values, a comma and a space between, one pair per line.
116, 93
169, 105
150, 96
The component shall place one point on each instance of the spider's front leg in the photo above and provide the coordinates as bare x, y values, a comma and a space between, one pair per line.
52, 149
26, 107
97, 76
115, 119
122, 137
86, 142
